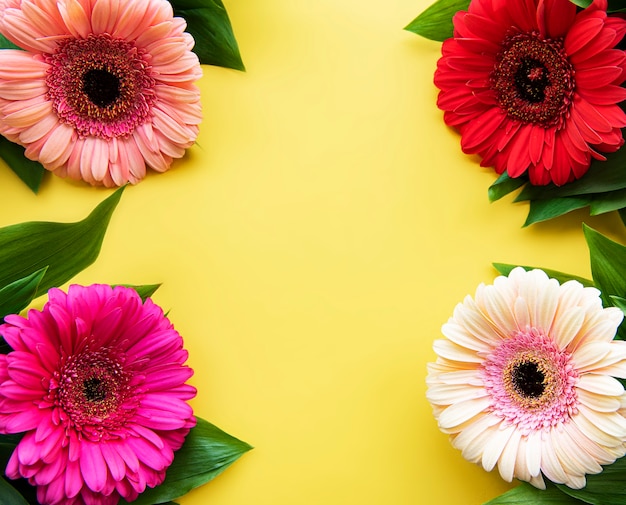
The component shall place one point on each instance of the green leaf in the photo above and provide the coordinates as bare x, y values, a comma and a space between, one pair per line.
606, 488
614, 5
607, 264
144, 290
505, 269
6, 43
608, 202
65, 248
9, 495
208, 23
542, 210
505, 185
206, 453
619, 302
31, 172
602, 176
435, 22
16, 296
529, 495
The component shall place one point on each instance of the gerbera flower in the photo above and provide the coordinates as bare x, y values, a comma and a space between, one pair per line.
96, 380
103, 88
525, 380
532, 86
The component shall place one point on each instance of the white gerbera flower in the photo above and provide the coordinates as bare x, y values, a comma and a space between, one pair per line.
525, 380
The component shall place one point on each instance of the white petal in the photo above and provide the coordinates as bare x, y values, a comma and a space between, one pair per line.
533, 453
460, 336
507, 461
599, 403
472, 440
459, 413
567, 325
469, 315
496, 444
448, 394
613, 425
521, 312
550, 464
498, 308
450, 350
595, 433
601, 384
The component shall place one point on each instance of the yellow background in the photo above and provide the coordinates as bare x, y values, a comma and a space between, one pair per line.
310, 247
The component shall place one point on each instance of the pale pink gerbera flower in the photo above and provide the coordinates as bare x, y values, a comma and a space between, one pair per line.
96, 380
103, 88
525, 380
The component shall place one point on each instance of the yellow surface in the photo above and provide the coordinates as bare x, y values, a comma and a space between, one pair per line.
311, 247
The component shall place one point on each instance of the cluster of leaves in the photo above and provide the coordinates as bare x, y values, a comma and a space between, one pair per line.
215, 44
609, 276
36, 256
602, 188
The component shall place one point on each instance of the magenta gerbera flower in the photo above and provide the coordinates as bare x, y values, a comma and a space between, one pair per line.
103, 89
97, 383
525, 380
533, 86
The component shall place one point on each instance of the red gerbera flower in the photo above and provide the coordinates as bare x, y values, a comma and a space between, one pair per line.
533, 86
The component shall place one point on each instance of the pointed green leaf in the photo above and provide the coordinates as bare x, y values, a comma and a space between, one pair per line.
602, 176
435, 22
9, 495
31, 172
505, 185
207, 452
505, 269
614, 5
6, 43
607, 202
208, 23
65, 248
542, 210
16, 296
619, 302
144, 290
606, 488
607, 264
529, 495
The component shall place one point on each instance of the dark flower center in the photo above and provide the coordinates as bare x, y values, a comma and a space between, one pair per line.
94, 390
102, 87
533, 79
528, 380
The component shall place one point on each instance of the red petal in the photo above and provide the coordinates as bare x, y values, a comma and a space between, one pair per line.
547, 159
486, 28
536, 143
605, 58
597, 77
523, 15
519, 157
481, 129
602, 42
609, 95
591, 116
555, 17
582, 33
614, 115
